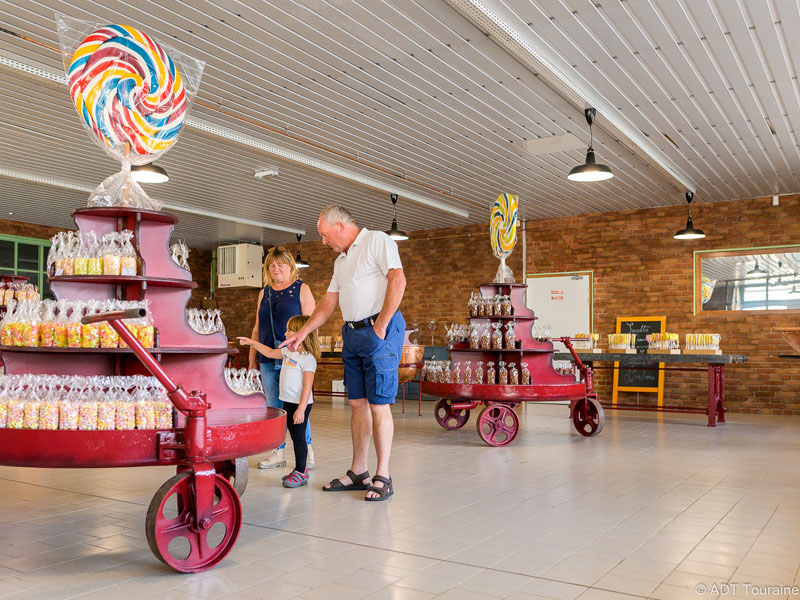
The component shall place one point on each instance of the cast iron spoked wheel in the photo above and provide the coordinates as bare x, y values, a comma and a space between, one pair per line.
173, 534
588, 417
498, 425
236, 471
448, 417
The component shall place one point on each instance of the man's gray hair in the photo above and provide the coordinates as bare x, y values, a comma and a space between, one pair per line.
333, 213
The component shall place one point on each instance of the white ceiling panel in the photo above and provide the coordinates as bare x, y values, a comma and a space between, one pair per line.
414, 95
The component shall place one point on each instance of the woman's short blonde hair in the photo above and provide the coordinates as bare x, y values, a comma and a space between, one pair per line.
279, 254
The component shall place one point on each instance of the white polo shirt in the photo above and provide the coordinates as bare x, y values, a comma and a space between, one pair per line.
359, 275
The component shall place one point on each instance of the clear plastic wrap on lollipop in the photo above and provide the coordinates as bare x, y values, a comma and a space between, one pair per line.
132, 94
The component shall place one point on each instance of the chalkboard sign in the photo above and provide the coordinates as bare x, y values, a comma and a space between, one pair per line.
650, 379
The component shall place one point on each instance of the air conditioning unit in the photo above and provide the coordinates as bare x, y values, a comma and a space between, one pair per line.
239, 265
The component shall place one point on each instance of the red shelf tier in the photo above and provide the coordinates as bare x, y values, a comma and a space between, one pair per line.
160, 350
232, 433
568, 390
126, 280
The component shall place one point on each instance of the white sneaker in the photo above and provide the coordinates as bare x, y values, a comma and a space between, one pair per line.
276, 458
310, 460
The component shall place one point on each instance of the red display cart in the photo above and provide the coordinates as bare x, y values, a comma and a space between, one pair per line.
214, 430
498, 423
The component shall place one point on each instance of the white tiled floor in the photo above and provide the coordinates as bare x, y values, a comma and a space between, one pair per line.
651, 508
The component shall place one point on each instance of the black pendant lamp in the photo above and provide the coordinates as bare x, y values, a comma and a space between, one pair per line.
149, 174
395, 233
590, 170
690, 232
301, 264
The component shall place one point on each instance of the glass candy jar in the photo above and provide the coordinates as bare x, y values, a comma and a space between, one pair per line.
497, 336
491, 375
502, 373
526, 375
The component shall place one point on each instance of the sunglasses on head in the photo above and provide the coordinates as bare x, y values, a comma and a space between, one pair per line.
275, 249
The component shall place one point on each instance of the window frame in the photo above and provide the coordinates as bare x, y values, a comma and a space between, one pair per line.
39, 276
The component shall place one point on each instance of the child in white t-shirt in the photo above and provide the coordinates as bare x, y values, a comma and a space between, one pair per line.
296, 383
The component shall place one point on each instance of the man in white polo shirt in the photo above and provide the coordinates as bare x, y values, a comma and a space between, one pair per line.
368, 285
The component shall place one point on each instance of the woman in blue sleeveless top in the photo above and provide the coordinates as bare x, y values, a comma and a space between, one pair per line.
284, 296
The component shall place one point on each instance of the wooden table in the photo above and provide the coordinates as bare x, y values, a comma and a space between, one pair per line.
716, 376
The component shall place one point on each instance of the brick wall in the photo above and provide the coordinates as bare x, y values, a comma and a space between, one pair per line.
638, 269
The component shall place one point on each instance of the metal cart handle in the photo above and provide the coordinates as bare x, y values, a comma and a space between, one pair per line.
190, 405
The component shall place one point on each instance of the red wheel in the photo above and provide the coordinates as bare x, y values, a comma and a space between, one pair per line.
588, 417
175, 537
236, 471
448, 417
498, 425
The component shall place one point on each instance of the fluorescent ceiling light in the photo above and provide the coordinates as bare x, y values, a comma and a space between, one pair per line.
68, 185
493, 18
247, 140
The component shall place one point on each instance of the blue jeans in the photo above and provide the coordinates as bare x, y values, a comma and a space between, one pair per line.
270, 379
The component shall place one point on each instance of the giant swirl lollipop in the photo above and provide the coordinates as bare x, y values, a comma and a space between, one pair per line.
503, 227
128, 92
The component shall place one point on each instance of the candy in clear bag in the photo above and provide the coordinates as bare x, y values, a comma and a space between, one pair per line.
128, 260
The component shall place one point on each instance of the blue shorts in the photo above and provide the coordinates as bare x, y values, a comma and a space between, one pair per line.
370, 363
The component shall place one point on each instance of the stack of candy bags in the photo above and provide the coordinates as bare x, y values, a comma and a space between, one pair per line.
17, 290
83, 403
57, 324
74, 253
205, 321
243, 381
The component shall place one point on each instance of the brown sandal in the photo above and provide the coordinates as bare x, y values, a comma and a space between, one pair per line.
383, 492
337, 486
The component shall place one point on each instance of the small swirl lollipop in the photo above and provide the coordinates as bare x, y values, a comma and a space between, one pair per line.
127, 90
503, 229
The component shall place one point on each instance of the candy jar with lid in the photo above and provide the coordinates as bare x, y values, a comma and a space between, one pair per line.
497, 336
467, 372
502, 374
478, 376
526, 375
513, 374
510, 337
491, 374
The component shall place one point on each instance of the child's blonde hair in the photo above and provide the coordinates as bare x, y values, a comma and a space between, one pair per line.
311, 343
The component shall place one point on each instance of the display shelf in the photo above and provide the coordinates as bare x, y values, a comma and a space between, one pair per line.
231, 433
125, 280
118, 212
511, 318
565, 390
506, 350
508, 285
160, 350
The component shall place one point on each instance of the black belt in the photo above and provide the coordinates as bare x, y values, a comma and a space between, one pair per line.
368, 322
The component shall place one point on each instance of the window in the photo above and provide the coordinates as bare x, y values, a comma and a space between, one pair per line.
26, 257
